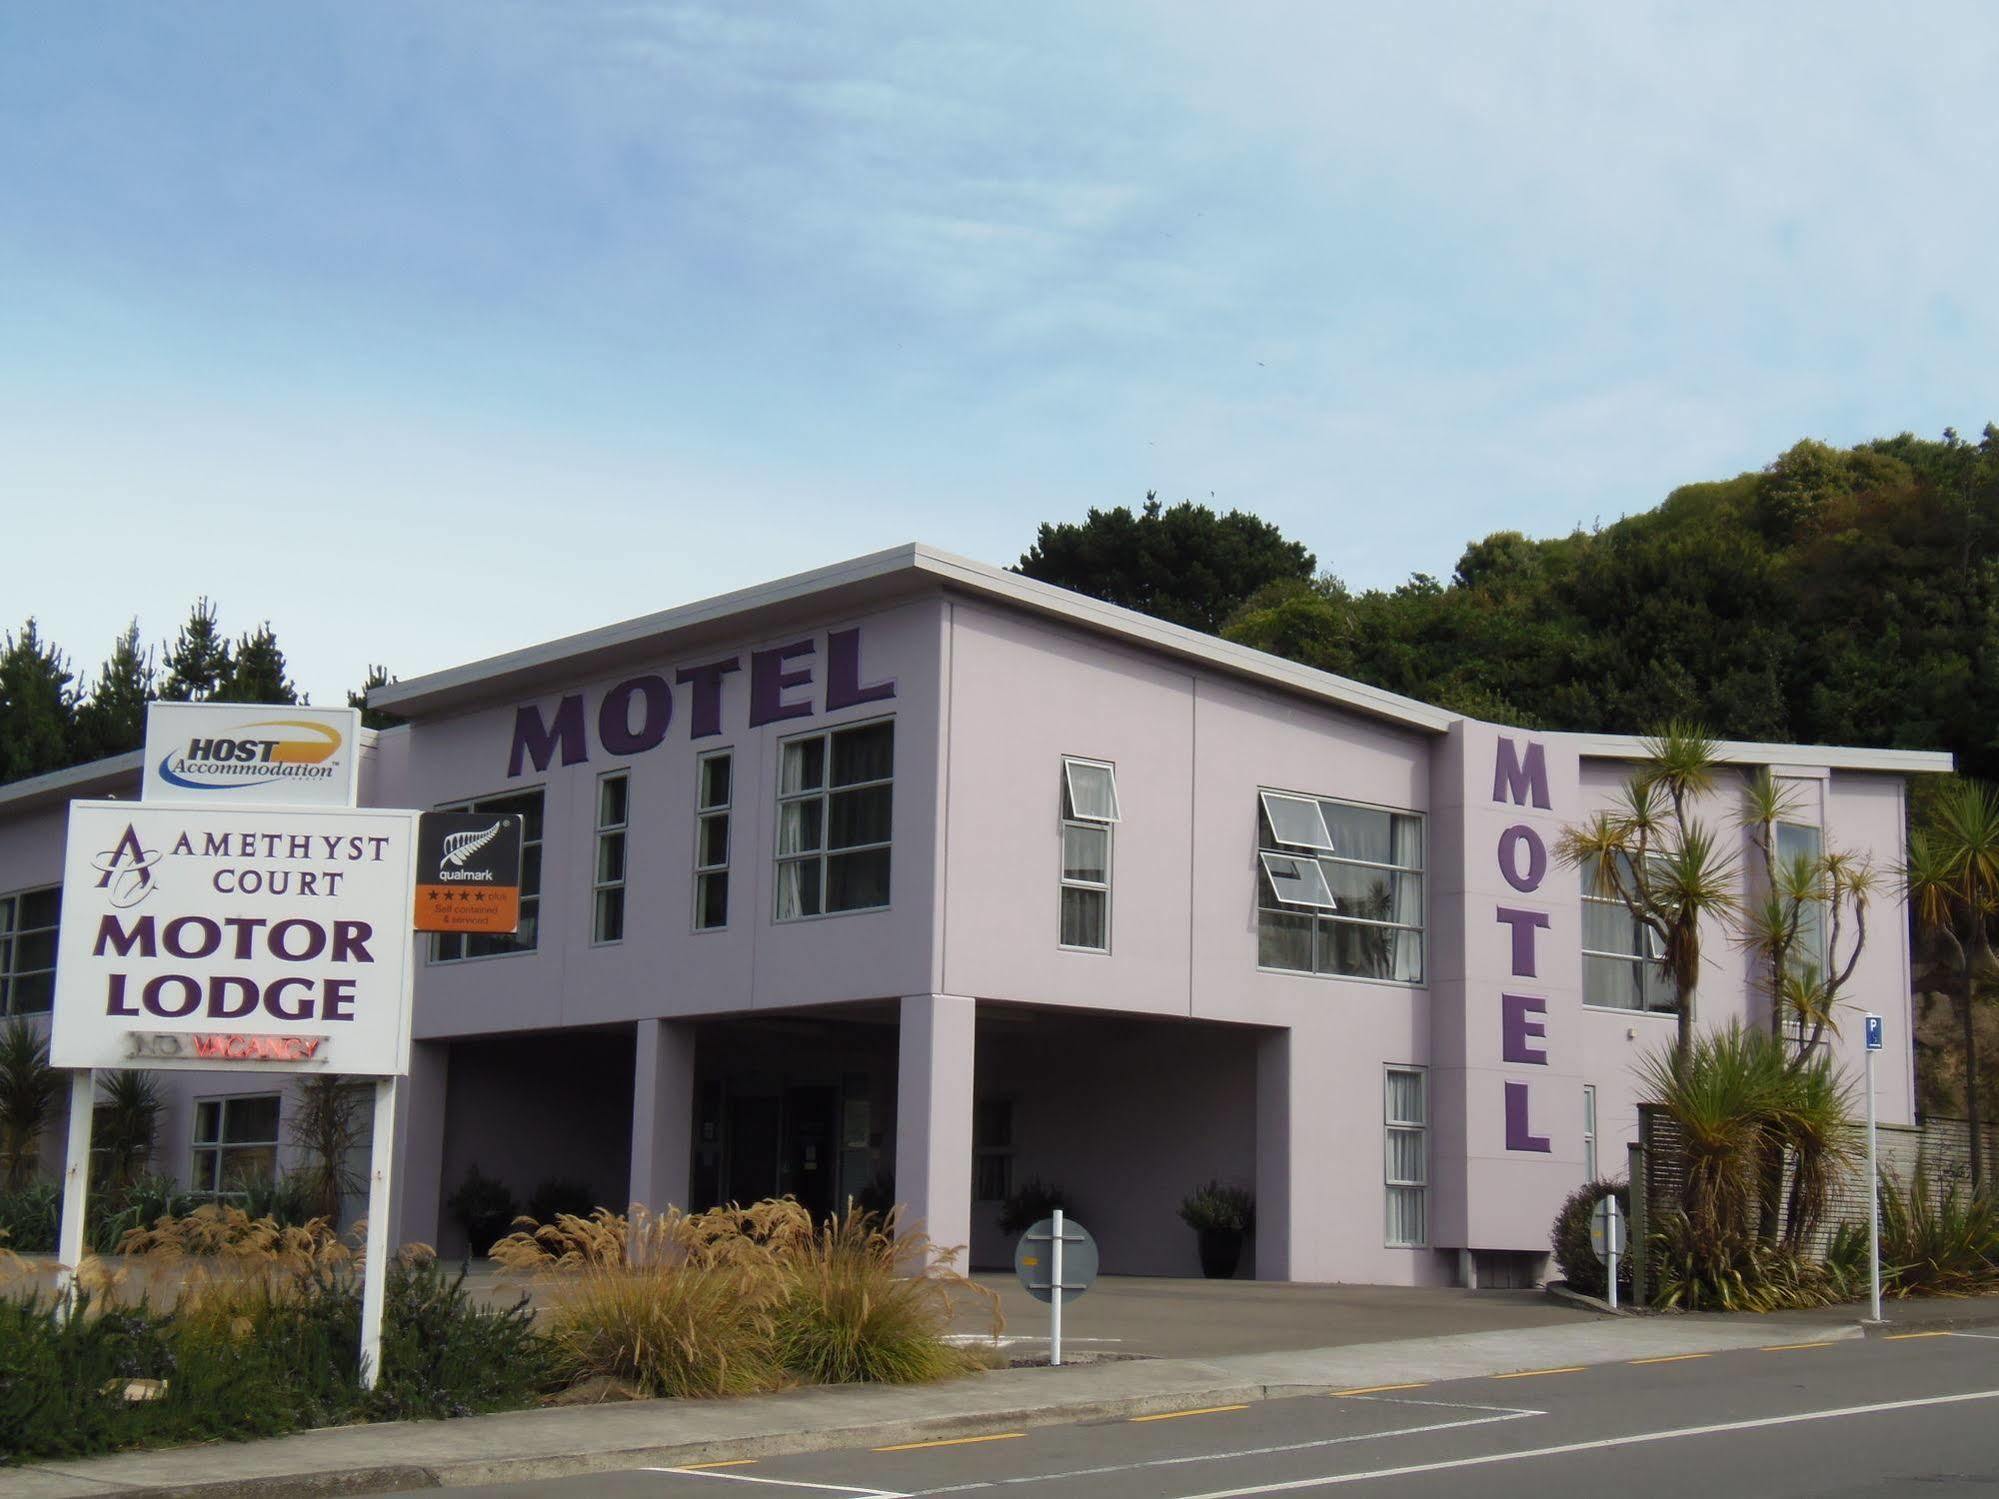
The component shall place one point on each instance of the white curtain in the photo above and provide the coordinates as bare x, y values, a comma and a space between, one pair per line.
791, 880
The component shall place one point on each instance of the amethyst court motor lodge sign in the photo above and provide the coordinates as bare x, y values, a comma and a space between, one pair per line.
261, 940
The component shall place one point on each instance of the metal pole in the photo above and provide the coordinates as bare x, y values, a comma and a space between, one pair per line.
1055, 1293
1873, 1205
1612, 1228
375, 1265
75, 1185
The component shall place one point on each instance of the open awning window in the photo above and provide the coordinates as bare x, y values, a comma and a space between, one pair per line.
1092, 787
1297, 820
1298, 881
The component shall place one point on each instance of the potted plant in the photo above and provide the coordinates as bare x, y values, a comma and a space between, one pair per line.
484, 1208
1221, 1218
1032, 1201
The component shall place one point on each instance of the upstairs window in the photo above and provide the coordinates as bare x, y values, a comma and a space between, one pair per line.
449, 947
714, 792
607, 884
1339, 888
1802, 842
1621, 968
28, 922
835, 800
1089, 812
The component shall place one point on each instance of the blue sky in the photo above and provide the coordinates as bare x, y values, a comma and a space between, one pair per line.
430, 330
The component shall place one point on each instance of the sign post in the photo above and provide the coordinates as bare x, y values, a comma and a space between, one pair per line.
1873, 1182
1069, 1271
1606, 1233
75, 1185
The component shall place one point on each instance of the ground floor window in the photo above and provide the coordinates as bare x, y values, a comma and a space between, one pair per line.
235, 1142
1589, 1132
28, 950
1406, 1122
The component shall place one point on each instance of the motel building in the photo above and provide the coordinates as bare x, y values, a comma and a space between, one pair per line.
913, 878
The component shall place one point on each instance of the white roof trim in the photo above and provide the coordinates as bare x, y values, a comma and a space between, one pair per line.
70, 782
1798, 756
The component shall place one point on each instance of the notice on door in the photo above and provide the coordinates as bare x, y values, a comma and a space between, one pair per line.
468, 872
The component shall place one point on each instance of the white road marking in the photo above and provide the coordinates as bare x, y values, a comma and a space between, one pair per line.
1983, 1337
1218, 1457
1329, 1479
853, 1491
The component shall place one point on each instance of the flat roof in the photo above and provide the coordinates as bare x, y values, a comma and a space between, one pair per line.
90, 779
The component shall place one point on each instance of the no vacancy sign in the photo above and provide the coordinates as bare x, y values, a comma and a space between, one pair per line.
264, 940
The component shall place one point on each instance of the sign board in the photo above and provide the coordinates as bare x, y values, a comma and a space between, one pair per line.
226, 937
1873, 1032
468, 872
1602, 1226
1033, 1263
237, 754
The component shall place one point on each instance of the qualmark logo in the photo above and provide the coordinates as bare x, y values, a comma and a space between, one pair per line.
276, 749
459, 849
126, 869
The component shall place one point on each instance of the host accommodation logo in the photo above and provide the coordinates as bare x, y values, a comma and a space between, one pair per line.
276, 749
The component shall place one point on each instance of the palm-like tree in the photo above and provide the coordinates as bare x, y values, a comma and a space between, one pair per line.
128, 1122
27, 1096
1952, 877
1652, 853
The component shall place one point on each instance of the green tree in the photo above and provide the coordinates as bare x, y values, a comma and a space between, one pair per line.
37, 706
111, 719
373, 718
197, 664
1186, 564
126, 1124
257, 671
27, 1097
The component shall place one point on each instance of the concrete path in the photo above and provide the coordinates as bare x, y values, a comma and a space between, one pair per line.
553, 1443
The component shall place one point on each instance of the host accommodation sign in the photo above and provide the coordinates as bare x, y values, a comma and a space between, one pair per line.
205, 754
258, 939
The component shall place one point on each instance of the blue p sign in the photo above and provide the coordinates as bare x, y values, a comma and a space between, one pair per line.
1873, 1032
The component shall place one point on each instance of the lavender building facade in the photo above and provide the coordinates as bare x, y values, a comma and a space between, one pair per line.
916, 879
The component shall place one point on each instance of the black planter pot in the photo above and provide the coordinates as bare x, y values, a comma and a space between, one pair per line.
1221, 1251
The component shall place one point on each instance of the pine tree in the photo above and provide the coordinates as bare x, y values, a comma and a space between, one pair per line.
373, 718
257, 671
37, 706
112, 718
197, 663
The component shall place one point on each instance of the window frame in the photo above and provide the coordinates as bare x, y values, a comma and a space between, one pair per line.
603, 832
823, 794
1421, 871
435, 954
725, 810
221, 1145
1107, 827
1589, 1133
12, 933
1391, 1127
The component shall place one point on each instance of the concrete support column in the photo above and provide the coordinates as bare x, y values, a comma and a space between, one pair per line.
1305, 1202
933, 1115
416, 1211
663, 1115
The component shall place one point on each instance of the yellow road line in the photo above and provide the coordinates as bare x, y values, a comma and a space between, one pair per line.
734, 1462
1004, 1436
1376, 1389
1903, 1337
1536, 1373
1668, 1358
1206, 1410
1793, 1347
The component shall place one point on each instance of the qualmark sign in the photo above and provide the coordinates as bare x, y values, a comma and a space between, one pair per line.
260, 939
201, 754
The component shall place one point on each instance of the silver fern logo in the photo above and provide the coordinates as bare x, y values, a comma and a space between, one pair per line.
459, 850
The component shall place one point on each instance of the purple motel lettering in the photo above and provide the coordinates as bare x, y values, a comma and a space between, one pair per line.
1523, 864
635, 714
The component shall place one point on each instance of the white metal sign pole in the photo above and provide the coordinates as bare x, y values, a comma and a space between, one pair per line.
1055, 1299
1615, 1226
1873, 1193
75, 1184
375, 1262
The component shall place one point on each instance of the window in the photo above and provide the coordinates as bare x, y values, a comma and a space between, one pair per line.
235, 1142
1800, 842
28, 950
992, 1150
714, 790
607, 884
1621, 969
1339, 888
451, 946
1089, 809
1406, 1119
1589, 1132
834, 800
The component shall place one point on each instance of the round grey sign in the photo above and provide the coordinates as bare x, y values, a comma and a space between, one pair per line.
1034, 1262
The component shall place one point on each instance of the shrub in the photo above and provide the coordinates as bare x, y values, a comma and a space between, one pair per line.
323, 1127
1230, 1209
31, 1218
560, 1197
484, 1208
128, 1120
444, 1354
1936, 1243
1032, 1201
1576, 1257
27, 1097
1696, 1269
286, 1200
140, 1204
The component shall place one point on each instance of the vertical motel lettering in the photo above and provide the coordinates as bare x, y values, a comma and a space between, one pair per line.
1523, 864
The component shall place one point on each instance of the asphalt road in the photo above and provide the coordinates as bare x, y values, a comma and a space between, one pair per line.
1910, 1415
